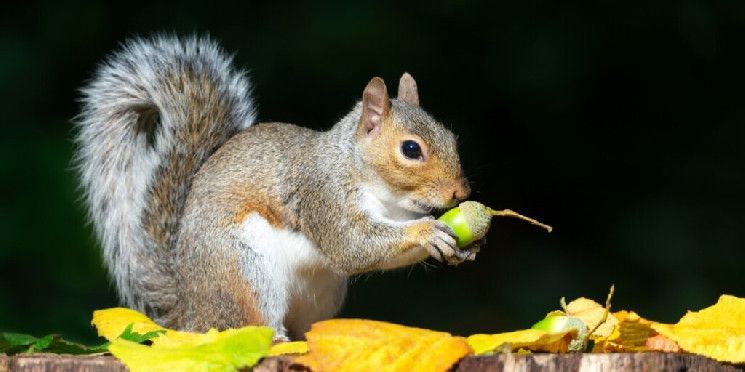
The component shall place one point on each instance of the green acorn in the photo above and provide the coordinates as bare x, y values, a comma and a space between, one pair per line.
470, 221
562, 323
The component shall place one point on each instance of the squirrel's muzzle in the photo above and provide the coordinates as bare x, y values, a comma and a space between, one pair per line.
461, 190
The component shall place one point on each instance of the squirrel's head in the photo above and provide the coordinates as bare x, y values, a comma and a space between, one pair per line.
414, 155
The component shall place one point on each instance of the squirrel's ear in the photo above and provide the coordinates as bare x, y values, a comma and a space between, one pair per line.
375, 106
407, 91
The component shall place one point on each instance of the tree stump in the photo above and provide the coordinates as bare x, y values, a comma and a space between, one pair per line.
494, 363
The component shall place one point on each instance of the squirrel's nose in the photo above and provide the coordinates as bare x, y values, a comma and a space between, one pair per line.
462, 190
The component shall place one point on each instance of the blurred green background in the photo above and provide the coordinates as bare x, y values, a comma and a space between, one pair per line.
620, 123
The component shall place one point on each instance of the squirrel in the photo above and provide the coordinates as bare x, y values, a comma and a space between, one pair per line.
209, 220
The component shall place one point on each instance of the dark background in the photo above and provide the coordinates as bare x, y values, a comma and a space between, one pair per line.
620, 123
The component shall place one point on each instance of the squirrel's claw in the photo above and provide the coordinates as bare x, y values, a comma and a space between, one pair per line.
467, 253
459, 256
442, 245
437, 241
474, 248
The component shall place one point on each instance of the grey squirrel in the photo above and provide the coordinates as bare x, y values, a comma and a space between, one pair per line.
209, 220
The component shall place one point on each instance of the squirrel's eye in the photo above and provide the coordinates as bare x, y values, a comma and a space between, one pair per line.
411, 150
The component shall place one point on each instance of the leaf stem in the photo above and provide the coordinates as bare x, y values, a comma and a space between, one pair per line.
511, 213
607, 310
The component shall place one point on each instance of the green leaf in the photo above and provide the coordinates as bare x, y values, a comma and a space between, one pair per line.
17, 343
41, 343
18, 339
13, 343
212, 351
62, 346
129, 335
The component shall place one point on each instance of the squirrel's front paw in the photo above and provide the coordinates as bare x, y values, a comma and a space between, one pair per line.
437, 238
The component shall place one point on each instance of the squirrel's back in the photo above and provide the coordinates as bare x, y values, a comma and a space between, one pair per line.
153, 113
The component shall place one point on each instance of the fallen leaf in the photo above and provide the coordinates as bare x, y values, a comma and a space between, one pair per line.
111, 323
528, 339
179, 351
592, 313
285, 348
133, 336
662, 343
367, 345
630, 334
16, 343
212, 351
134, 326
717, 331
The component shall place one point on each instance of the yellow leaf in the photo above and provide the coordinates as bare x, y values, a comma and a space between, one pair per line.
284, 348
110, 323
214, 351
630, 334
717, 331
528, 339
366, 345
592, 313
176, 339
662, 343
181, 351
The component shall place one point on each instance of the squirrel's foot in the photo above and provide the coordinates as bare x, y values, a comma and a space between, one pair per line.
280, 338
280, 335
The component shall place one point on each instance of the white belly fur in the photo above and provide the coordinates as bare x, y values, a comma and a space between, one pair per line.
291, 278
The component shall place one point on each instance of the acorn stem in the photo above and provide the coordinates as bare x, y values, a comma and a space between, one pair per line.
511, 213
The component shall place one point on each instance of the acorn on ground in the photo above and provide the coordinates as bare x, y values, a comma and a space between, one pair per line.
470, 221
559, 323
562, 323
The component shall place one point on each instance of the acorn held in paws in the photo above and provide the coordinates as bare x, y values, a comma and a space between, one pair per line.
470, 221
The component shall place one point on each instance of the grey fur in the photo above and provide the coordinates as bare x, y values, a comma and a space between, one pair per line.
144, 101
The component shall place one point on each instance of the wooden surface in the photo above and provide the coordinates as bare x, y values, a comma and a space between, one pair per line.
594, 362
501, 362
59, 363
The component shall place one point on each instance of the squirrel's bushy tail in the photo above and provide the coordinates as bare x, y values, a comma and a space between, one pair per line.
153, 113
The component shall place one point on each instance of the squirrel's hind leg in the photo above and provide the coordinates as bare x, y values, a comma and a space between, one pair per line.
214, 291
289, 275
